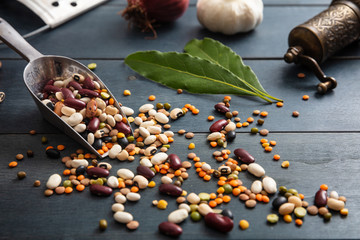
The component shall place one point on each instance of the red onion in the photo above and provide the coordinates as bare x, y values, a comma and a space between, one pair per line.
144, 13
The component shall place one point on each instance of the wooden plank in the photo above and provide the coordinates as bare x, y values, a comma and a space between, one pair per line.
84, 37
328, 158
334, 111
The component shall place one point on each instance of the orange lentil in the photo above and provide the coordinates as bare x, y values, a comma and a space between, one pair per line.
139, 139
259, 197
100, 151
225, 156
236, 191
122, 184
80, 177
157, 169
227, 151
242, 188
152, 98
221, 183
109, 145
264, 145
60, 147
195, 111
132, 153
212, 204
305, 97
192, 107
210, 118
196, 159
265, 199
245, 124
273, 143
228, 98
279, 104
250, 120
66, 172
276, 157
213, 144
134, 189
223, 178
207, 177
219, 200
80, 187
69, 190
324, 187
264, 114
268, 149
238, 125
301, 75
103, 90
202, 174
191, 146
90, 167
226, 198
141, 114
177, 173
87, 155
185, 109
198, 164
298, 222
220, 190
104, 148
49, 147
263, 140
124, 120
127, 93
301, 196
188, 105
212, 195
198, 170
111, 101
170, 139
163, 171
13, 164
234, 183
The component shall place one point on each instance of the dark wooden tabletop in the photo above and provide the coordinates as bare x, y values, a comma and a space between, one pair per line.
322, 144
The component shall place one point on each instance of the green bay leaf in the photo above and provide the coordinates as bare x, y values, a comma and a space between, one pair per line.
193, 74
224, 56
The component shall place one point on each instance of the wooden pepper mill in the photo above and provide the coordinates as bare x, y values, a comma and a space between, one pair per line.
312, 42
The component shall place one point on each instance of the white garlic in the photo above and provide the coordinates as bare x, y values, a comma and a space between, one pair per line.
230, 16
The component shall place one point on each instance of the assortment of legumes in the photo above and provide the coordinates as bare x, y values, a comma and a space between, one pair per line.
86, 106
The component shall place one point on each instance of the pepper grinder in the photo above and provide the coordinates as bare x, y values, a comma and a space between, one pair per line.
314, 41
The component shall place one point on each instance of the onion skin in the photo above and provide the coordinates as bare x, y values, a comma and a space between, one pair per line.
165, 10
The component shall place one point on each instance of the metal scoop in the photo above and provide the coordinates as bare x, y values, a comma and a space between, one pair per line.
41, 69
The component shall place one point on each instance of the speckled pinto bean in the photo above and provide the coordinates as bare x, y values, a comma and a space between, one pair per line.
221, 108
97, 172
123, 127
175, 161
321, 198
218, 125
67, 93
170, 229
145, 171
219, 222
88, 93
244, 156
75, 103
170, 189
100, 190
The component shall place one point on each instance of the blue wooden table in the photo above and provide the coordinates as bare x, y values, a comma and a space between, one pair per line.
322, 144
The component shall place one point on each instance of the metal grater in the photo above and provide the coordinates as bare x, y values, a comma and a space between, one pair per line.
57, 12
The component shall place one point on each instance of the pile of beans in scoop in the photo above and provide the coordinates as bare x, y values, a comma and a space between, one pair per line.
86, 105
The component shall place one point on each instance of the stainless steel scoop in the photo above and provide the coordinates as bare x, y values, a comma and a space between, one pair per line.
41, 69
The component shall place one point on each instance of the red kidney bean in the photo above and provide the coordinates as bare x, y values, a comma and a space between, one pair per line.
123, 127
221, 108
51, 89
100, 190
321, 198
75, 85
218, 125
170, 229
170, 189
219, 222
75, 103
97, 172
243, 155
145, 171
88, 93
91, 108
93, 125
50, 82
67, 93
88, 83
175, 161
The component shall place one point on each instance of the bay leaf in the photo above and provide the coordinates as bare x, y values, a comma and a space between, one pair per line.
224, 56
193, 74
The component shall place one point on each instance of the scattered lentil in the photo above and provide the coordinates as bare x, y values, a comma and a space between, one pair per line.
264, 132
179, 91
32, 132
37, 183
103, 224
13, 164
301, 75
295, 113
279, 104
285, 164
305, 97
21, 175
19, 156
127, 93
243, 224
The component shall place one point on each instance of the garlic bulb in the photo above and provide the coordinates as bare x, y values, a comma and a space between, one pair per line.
230, 16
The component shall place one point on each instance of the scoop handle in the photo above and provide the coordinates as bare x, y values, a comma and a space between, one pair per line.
16, 42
